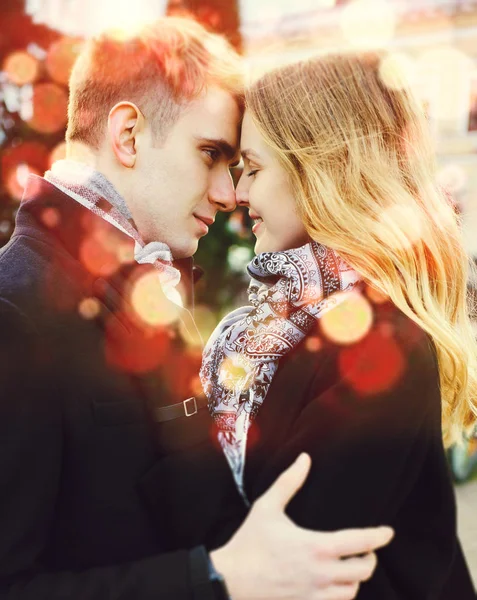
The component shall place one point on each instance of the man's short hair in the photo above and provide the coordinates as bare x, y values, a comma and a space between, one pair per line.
160, 70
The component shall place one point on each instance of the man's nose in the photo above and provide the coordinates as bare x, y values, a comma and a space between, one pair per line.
222, 194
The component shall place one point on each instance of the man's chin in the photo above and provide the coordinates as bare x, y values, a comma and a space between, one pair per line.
184, 251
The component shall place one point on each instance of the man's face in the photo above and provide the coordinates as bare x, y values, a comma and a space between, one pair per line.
181, 183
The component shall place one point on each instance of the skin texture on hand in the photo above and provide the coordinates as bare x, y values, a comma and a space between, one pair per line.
271, 558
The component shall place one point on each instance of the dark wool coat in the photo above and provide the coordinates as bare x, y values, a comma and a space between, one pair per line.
369, 414
93, 488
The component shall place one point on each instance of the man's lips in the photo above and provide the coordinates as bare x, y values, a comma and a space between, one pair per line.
204, 222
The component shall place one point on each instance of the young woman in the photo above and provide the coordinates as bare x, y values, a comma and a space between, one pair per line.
358, 347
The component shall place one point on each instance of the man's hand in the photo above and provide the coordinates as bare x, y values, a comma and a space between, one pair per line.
271, 558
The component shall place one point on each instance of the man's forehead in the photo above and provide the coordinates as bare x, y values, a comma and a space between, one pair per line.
215, 116
217, 108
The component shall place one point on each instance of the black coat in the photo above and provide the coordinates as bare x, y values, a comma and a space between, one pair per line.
94, 490
369, 414
97, 497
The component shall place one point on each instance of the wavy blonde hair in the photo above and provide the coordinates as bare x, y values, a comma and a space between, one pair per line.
360, 160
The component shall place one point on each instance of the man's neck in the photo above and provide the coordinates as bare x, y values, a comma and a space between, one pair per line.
84, 154
96, 160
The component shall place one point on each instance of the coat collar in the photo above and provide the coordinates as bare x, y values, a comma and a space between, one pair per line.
48, 214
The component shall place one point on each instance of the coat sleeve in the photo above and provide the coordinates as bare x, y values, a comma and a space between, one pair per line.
374, 435
30, 468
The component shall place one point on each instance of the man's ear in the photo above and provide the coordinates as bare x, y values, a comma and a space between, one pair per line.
124, 123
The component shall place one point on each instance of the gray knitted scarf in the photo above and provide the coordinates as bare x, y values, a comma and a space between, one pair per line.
95, 192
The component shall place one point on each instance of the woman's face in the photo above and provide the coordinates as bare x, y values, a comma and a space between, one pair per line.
265, 189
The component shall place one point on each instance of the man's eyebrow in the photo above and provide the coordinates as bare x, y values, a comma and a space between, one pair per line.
225, 148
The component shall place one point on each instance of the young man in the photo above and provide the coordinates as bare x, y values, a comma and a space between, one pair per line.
106, 453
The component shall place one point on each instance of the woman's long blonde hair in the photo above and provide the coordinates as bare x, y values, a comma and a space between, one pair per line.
360, 159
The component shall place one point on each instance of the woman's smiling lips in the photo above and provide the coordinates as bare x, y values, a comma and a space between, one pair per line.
258, 221
256, 227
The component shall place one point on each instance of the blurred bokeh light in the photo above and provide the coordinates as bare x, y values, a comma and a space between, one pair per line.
50, 103
61, 57
21, 68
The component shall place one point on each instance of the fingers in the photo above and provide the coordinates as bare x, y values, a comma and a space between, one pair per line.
352, 570
349, 542
340, 592
287, 485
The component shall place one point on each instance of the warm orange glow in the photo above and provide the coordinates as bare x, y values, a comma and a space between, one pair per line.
58, 153
373, 365
18, 161
50, 217
21, 68
89, 308
50, 103
149, 302
61, 57
313, 343
349, 321
182, 369
17, 178
196, 386
135, 350
253, 435
97, 259
125, 253
375, 295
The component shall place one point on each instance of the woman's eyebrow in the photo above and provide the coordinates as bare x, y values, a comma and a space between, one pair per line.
249, 153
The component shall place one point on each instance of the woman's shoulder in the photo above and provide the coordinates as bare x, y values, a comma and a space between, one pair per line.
366, 351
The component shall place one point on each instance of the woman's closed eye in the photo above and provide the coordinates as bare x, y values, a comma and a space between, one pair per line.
252, 173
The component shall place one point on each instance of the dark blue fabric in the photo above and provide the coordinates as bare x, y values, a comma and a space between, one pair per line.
90, 483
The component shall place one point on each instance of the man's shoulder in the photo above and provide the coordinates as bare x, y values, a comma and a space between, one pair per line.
34, 275
22, 262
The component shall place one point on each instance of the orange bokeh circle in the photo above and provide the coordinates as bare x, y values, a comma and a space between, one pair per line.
50, 105
61, 57
21, 68
58, 153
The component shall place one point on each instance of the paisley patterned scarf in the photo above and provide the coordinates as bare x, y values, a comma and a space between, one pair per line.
288, 291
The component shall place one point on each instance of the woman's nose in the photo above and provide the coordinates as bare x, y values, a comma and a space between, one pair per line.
241, 192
